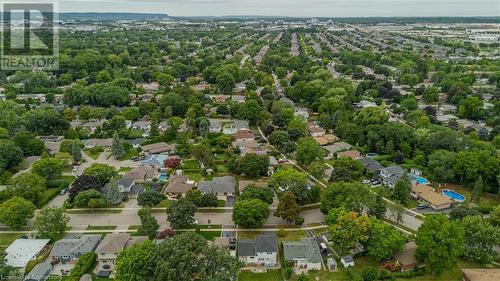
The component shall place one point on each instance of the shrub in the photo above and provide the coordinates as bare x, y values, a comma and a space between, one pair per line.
281, 232
82, 266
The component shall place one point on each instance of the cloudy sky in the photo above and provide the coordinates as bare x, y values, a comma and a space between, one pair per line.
296, 8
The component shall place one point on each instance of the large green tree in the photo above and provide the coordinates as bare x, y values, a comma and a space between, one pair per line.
481, 238
16, 212
439, 243
288, 209
28, 186
308, 151
384, 240
50, 223
102, 172
250, 213
149, 225
133, 264
347, 228
181, 213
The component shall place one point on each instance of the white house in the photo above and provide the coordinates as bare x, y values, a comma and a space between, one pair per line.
263, 251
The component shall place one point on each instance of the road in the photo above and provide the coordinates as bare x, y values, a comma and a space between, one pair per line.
129, 217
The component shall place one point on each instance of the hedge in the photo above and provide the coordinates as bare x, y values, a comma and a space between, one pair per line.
82, 266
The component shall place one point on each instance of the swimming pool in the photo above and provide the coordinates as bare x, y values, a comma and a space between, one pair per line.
163, 177
419, 180
457, 197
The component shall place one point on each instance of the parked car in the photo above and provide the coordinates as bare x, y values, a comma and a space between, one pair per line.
375, 182
422, 206
366, 181
282, 160
63, 191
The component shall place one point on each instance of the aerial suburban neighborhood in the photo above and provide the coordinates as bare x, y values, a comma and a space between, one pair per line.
254, 148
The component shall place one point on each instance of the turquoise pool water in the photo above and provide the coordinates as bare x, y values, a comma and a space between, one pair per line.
163, 177
457, 197
419, 180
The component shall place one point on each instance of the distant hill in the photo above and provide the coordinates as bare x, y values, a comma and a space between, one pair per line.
110, 16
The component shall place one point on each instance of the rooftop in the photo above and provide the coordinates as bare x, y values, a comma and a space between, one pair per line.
21, 251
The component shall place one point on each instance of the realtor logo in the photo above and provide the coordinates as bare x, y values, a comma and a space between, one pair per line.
29, 36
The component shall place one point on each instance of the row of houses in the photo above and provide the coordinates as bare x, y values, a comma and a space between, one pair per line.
63, 254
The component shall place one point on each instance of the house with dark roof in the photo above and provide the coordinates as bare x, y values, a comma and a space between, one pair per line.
40, 272
391, 175
178, 185
371, 165
68, 250
110, 248
262, 251
220, 186
304, 254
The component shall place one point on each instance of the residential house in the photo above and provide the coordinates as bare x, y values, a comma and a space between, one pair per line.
178, 185
135, 143
416, 171
246, 146
141, 174
405, 258
317, 131
371, 165
155, 161
128, 188
227, 126
391, 175
141, 125
92, 126
163, 126
365, 104
150, 87
435, 200
40, 272
68, 250
104, 143
326, 139
353, 154
481, 274
110, 247
263, 251
238, 98
159, 148
333, 149
304, 254
347, 261
301, 112
22, 251
220, 186
51, 138
244, 135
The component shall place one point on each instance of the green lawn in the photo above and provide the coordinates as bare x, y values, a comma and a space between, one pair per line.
210, 235
191, 164
94, 152
7, 238
163, 203
221, 203
131, 153
57, 182
270, 275
221, 169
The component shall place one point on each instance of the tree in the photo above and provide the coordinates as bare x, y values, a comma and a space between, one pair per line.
16, 212
495, 216
113, 195
383, 241
288, 209
478, 190
187, 255
181, 213
102, 172
73, 147
252, 191
346, 169
250, 111
460, 212
149, 225
278, 138
250, 213
29, 144
401, 191
379, 208
481, 238
5, 269
117, 147
133, 263
471, 108
149, 198
48, 168
253, 165
317, 169
209, 200
352, 196
308, 151
90, 199
83, 183
347, 228
172, 162
439, 243
28, 186
50, 223
194, 196
293, 180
